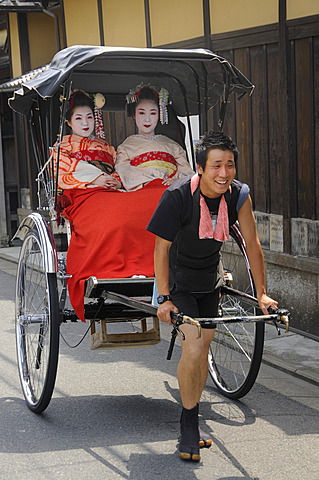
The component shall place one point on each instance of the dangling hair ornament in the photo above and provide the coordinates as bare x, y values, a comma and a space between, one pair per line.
163, 95
99, 102
163, 102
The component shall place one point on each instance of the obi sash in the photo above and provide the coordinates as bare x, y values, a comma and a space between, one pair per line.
99, 158
161, 160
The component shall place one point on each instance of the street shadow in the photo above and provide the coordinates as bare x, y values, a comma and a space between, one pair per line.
103, 427
215, 407
141, 466
98, 421
110, 423
153, 466
94, 421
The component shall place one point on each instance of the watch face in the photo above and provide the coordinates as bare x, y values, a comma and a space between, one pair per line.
163, 298
160, 299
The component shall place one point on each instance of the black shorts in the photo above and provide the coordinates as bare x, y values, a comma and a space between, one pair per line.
197, 305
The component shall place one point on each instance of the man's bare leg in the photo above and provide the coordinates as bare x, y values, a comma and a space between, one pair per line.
193, 365
192, 374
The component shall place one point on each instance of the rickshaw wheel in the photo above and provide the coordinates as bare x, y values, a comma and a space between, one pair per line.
37, 324
236, 351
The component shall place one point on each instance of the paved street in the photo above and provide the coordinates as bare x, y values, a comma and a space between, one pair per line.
115, 415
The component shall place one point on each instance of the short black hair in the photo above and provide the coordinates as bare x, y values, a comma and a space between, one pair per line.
214, 141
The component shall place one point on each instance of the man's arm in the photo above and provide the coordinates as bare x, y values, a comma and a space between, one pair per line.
161, 265
255, 255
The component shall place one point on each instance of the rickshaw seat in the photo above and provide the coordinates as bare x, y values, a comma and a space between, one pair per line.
132, 287
148, 332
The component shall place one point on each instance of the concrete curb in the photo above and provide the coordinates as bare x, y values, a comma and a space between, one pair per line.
311, 376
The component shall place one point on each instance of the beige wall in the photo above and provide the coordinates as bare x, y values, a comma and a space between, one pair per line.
302, 8
14, 44
41, 38
175, 20
229, 15
124, 23
81, 22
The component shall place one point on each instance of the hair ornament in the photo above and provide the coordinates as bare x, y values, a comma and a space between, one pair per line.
162, 96
99, 102
163, 102
134, 93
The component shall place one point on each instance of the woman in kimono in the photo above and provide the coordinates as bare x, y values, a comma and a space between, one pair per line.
87, 178
147, 157
85, 160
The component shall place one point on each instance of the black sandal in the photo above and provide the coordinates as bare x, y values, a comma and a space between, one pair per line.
189, 440
204, 439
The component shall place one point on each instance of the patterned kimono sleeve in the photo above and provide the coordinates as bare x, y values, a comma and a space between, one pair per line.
74, 173
183, 167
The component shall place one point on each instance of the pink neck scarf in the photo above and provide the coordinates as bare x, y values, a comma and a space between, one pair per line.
221, 231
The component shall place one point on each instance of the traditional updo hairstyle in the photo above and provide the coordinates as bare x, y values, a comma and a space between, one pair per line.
144, 93
78, 99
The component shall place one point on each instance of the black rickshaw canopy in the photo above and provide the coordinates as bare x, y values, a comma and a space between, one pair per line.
195, 78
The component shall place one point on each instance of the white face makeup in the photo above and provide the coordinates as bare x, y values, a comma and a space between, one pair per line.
82, 121
146, 117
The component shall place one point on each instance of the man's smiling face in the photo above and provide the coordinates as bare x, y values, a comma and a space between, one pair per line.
218, 174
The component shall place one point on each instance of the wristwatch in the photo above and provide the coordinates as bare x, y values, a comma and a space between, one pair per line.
163, 298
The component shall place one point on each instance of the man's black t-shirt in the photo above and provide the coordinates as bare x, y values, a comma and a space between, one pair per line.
175, 208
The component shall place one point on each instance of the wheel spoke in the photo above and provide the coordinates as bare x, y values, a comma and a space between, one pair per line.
235, 353
36, 325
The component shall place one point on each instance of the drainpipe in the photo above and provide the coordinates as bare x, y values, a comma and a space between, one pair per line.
4, 238
56, 25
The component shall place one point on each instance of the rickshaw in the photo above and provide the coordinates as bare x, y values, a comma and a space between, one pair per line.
197, 80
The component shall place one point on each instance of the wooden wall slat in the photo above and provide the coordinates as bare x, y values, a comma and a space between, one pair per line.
243, 131
261, 35
118, 127
260, 138
304, 129
316, 119
276, 128
121, 130
303, 27
107, 127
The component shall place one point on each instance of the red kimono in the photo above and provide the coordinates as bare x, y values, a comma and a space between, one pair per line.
109, 237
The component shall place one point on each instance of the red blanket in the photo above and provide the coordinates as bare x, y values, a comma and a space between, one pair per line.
109, 239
